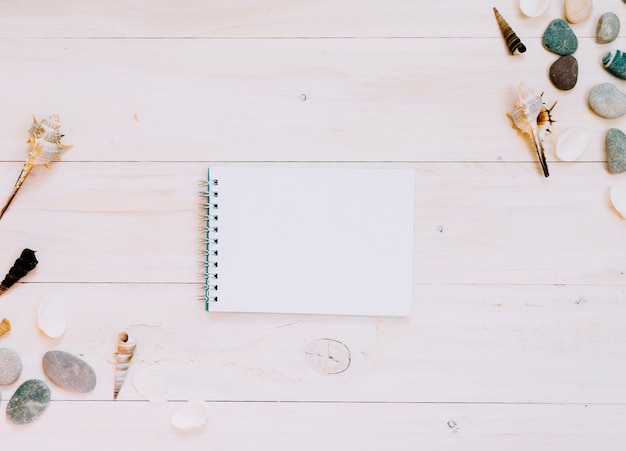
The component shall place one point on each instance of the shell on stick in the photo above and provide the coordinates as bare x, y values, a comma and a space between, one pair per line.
528, 105
125, 350
45, 147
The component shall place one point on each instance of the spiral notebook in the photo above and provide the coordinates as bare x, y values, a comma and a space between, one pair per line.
336, 241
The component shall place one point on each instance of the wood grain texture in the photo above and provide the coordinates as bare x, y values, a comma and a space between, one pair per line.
517, 336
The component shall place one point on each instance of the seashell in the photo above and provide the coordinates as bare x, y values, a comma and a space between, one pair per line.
512, 41
151, 386
527, 108
52, 318
534, 8
5, 326
190, 415
544, 119
24, 263
45, 141
125, 350
572, 143
618, 199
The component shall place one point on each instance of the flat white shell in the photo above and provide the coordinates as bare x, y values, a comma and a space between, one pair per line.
52, 317
571, 144
151, 386
190, 415
534, 8
618, 199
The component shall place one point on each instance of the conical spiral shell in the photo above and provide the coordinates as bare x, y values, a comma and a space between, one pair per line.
125, 350
22, 266
513, 42
5, 326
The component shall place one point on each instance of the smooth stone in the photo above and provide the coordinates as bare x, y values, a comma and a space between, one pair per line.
607, 29
534, 8
564, 72
607, 101
615, 63
559, 38
618, 199
616, 151
68, 371
10, 366
28, 402
577, 11
571, 144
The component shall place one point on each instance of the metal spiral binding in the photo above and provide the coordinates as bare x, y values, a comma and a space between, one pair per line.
211, 240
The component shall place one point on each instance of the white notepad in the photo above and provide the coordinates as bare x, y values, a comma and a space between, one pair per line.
310, 240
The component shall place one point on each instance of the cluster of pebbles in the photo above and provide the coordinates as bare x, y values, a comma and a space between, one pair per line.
604, 99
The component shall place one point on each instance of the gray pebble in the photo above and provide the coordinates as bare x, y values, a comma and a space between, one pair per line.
564, 72
10, 366
607, 29
28, 402
607, 101
559, 38
616, 151
68, 371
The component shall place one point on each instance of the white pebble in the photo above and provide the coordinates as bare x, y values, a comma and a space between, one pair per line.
571, 144
618, 199
534, 8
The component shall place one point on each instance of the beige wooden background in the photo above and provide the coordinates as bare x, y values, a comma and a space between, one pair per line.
518, 335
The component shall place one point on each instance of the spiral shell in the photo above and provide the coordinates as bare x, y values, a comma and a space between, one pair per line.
513, 42
24, 263
125, 350
5, 326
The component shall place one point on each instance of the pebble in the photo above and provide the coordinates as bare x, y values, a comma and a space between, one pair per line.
616, 151
10, 366
28, 402
559, 38
571, 144
68, 371
607, 101
577, 11
615, 63
607, 29
564, 72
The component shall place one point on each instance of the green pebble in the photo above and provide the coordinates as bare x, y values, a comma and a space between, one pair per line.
28, 402
559, 38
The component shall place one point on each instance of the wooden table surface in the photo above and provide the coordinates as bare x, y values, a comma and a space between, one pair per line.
518, 333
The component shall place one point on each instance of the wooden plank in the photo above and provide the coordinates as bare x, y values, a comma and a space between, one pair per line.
289, 99
238, 426
463, 343
498, 223
271, 18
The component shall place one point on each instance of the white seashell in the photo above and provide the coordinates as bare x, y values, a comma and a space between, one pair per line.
52, 317
190, 415
534, 8
524, 115
618, 199
126, 345
151, 386
571, 144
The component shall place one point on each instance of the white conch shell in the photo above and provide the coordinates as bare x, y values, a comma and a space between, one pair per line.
45, 147
52, 318
125, 350
618, 199
190, 415
151, 386
524, 116
5, 326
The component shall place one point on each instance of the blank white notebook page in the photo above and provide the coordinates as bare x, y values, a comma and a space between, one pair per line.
315, 241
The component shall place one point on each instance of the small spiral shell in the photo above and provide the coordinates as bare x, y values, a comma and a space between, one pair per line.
512, 40
22, 266
5, 326
125, 350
